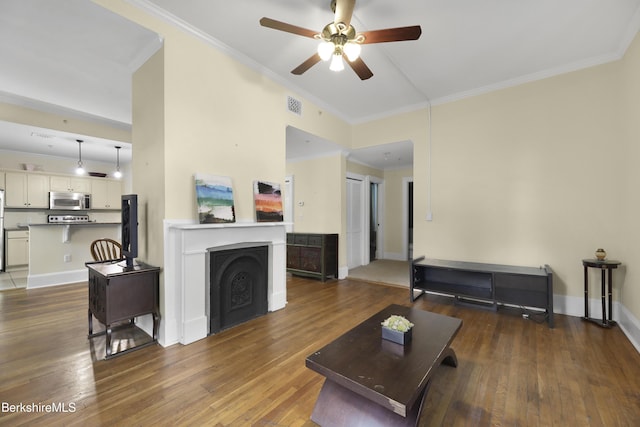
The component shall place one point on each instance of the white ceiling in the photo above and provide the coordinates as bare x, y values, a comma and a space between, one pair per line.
74, 56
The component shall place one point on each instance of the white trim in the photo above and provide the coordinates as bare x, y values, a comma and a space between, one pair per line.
289, 205
381, 215
57, 279
45, 107
629, 324
363, 216
167, 17
343, 272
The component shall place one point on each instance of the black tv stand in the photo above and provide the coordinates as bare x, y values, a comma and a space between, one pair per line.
485, 283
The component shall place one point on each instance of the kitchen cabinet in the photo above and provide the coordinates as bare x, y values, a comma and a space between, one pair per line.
72, 184
24, 190
17, 245
106, 194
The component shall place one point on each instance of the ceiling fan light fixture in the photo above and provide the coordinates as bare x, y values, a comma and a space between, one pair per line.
326, 49
336, 62
352, 50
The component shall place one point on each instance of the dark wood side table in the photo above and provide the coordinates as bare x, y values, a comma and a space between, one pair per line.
604, 266
117, 293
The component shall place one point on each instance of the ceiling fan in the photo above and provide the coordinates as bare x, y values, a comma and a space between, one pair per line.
339, 39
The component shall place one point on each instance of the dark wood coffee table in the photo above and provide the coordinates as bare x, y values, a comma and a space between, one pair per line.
371, 381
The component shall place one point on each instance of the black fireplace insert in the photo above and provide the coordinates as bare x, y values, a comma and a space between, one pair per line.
238, 284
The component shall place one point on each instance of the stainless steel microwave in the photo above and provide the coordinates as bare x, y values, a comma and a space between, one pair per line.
69, 201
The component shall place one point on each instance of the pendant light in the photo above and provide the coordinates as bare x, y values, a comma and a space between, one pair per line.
80, 168
117, 173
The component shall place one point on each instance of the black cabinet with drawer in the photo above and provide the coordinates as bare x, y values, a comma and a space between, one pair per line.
313, 255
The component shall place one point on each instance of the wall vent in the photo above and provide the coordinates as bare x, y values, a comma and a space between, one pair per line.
294, 105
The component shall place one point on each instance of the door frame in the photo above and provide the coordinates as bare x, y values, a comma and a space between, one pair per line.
288, 203
405, 216
368, 180
363, 217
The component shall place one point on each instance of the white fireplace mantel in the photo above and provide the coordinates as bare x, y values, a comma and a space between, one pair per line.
183, 303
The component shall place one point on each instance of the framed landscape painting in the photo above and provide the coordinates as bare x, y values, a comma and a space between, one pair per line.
214, 195
268, 201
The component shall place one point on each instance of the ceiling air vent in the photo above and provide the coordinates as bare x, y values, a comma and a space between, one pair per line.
42, 135
294, 105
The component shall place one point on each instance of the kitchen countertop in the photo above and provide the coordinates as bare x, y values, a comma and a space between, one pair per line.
72, 223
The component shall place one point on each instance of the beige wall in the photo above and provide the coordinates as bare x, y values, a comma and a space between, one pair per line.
540, 173
319, 197
363, 170
394, 211
534, 174
219, 117
22, 115
628, 231
58, 165
531, 175
47, 248
149, 157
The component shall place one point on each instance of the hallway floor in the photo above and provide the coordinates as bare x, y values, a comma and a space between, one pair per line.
386, 271
13, 279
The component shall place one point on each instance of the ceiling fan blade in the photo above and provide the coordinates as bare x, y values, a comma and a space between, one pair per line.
288, 28
344, 11
360, 68
313, 60
392, 34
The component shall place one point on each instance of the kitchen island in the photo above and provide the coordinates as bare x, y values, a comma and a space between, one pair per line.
58, 252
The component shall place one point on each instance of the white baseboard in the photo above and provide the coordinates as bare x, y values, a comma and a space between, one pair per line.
343, 272
574, 306
629, 325
278, 301
56, 279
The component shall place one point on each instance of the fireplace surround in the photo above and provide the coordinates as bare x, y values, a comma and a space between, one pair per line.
184, 292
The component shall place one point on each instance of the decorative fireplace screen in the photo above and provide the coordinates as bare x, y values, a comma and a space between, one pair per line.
238, 284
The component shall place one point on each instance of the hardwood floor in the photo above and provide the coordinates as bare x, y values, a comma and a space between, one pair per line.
511, 371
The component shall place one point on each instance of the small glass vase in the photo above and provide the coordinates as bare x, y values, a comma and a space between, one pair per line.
601, 254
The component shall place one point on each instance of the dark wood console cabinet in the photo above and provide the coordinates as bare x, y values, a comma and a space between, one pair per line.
119, 294
493, 283
313, 255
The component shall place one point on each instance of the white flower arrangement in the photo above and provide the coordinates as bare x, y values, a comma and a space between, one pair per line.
397, 323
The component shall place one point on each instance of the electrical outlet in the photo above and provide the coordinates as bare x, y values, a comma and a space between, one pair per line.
67, 258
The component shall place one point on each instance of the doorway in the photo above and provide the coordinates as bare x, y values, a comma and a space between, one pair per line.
407, 217
374, 221
410, 219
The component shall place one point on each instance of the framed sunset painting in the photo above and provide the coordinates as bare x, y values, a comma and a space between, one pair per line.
268, 201
214, 195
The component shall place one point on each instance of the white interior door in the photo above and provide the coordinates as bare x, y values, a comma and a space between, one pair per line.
355, 223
